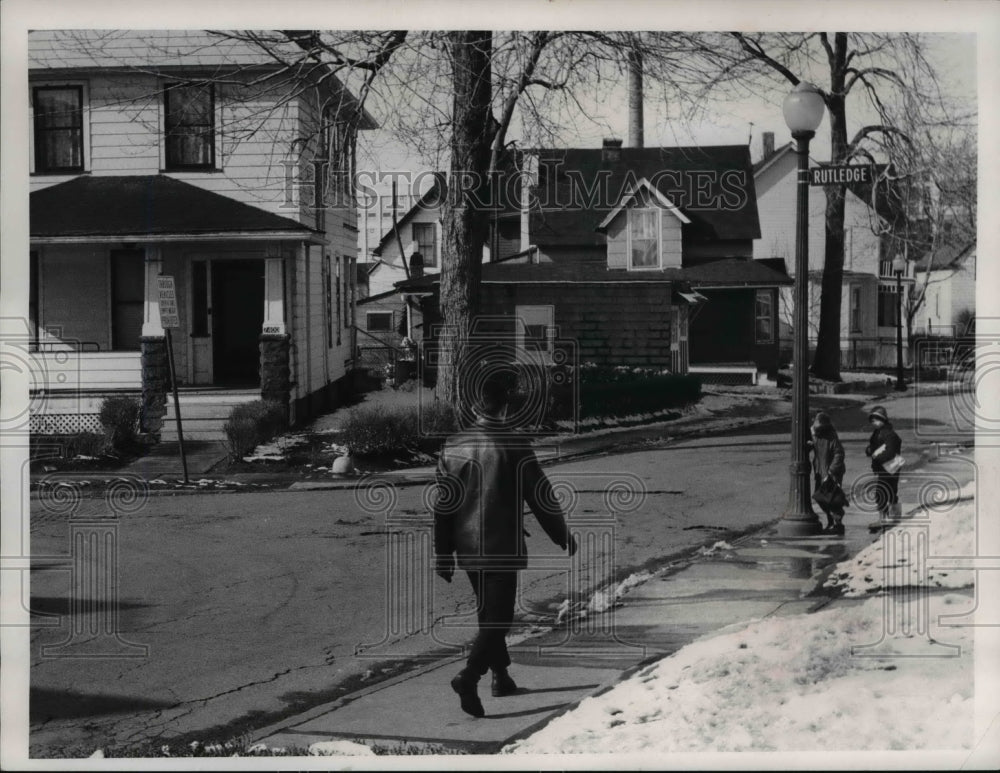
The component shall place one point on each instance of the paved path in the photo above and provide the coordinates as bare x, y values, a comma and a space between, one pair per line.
760, 575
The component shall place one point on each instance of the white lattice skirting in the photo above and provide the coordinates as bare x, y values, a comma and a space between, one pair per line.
65, 423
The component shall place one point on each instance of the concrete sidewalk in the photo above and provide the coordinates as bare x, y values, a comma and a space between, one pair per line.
758, 576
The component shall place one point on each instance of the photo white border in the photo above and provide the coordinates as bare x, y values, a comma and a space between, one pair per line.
17, 16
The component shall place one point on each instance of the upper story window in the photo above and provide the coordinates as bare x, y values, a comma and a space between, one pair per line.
58, 131
189, 121
425, 235
643, 238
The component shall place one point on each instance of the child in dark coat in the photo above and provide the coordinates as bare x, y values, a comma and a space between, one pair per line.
828, 466
883, 445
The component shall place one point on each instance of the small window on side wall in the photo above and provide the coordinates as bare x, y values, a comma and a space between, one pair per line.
535, 332
425, 235
764, 316
379, 321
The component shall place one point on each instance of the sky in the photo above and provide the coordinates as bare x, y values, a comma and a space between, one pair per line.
723, 121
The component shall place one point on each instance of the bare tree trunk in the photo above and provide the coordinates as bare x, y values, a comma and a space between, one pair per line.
826, 363
465, 219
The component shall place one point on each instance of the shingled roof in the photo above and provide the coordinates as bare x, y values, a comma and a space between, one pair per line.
729, 272
577, 187
146, 205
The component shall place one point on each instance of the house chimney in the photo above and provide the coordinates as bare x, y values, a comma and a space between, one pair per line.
635, 118
612, 150
767, 142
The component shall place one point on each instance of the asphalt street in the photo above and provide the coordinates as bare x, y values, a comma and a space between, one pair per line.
252, 606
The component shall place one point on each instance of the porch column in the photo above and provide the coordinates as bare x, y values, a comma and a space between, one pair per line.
153, 345
275, 373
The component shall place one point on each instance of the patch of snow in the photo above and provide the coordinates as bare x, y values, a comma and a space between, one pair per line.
85, 458
884, 564
780, 684
277, 449
97, 755
158, 482
606, 598
719, 546
334, 748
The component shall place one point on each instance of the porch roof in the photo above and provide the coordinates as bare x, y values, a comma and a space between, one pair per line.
727, 272
143, 206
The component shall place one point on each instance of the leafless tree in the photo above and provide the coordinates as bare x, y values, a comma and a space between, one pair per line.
859, 74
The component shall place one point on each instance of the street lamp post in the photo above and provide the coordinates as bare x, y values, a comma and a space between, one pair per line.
803, 109
898, 266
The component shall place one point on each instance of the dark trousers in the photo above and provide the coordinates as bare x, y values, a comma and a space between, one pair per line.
496, 594
886, 491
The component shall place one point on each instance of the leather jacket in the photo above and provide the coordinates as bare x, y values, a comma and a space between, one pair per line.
484, 478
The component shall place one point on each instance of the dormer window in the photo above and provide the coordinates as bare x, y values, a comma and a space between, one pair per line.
58, 126
189, 121
644, 238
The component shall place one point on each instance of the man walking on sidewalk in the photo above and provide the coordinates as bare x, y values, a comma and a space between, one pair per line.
485, 476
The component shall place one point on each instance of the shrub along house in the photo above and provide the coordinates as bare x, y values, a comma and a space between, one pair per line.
642, 256
157, 153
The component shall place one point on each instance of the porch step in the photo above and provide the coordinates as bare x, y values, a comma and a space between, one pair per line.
726, 375
203, 414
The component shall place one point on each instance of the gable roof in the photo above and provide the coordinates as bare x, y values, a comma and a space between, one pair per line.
948, 256
577, 187
643, 184
429, 200
728, 272
768, 161
147, 205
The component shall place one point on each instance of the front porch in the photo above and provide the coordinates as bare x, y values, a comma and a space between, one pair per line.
96, 306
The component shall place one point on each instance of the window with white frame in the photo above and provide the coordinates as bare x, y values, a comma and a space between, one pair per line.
379, 321
58, 129
189, 124
535, 332
764, 316
855, 308
643, 238
425, 235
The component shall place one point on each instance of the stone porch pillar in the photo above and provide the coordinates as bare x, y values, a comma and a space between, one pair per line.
275, 370
153, 345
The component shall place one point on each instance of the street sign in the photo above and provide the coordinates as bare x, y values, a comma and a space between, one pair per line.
861, 174
169, 317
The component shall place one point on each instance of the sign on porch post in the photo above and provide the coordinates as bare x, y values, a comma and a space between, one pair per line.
169, 319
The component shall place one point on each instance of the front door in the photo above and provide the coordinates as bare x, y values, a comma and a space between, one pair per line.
237, 318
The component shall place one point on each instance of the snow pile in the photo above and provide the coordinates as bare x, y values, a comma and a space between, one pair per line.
781, 684
719, 546
337, 748
277, 448
887, 562
606, 598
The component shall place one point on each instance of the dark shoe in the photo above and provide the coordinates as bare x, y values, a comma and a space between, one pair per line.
837, 529
503, 685
467, 694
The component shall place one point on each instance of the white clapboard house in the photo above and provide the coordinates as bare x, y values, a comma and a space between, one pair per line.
198, 156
